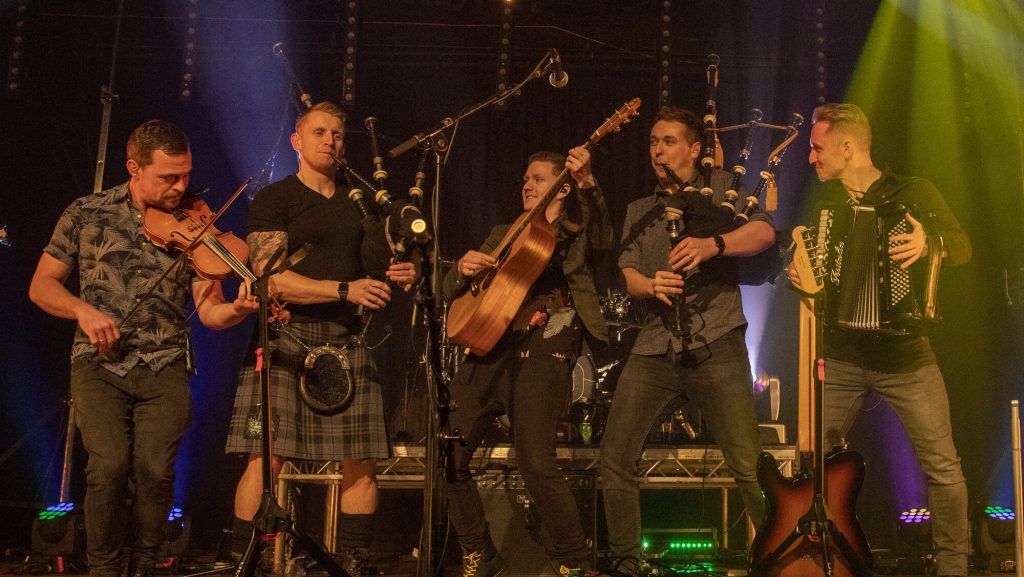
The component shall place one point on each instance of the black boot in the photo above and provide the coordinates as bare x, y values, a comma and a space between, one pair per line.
355, 562
486, 562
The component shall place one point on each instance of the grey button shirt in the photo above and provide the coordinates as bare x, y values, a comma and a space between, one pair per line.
713, 298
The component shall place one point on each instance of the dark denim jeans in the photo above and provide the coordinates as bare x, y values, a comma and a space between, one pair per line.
919, 400
718, 378
131, 428
534, 391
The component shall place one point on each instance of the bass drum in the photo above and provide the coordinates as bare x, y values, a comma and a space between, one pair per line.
584, 381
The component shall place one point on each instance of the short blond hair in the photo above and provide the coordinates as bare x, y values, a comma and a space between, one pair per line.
845, 118
324, 106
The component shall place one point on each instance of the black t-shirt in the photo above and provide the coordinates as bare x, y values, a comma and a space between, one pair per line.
333, 226
897, 353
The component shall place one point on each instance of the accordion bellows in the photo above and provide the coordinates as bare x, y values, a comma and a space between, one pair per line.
865, 288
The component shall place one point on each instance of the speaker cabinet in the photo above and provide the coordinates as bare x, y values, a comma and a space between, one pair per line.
515, 526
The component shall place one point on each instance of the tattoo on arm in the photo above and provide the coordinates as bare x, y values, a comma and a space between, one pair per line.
263, 245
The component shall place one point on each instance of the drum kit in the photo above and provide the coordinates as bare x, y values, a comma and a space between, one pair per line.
595, 374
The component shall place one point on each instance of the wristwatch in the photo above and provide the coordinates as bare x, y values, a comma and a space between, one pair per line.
720, 243
342, 291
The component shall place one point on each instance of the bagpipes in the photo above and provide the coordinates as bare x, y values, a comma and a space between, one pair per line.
397, 225
702, 216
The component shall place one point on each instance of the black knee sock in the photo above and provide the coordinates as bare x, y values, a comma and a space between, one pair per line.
356, 531
241, 532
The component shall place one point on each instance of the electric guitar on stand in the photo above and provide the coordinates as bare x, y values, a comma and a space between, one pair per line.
811, 528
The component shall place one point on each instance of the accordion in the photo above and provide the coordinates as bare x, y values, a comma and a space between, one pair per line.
864, 288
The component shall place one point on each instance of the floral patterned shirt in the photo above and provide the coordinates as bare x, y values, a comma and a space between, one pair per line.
101, 235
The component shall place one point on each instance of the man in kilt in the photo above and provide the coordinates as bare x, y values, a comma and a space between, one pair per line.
323, 290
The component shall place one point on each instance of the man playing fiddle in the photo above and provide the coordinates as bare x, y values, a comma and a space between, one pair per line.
708, 363
323, 290
129, 383
527, 375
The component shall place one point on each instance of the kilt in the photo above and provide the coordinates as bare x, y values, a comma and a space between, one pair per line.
359, 431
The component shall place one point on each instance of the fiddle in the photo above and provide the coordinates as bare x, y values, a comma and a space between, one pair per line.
213, 254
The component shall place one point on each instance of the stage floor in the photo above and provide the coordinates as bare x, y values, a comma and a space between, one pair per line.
405, 566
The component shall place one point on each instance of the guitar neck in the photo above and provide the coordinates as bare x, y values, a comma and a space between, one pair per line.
806, 407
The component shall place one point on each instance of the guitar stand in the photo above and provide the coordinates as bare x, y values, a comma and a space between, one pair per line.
816, 525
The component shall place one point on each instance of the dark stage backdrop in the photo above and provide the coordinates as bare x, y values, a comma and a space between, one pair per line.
417, 63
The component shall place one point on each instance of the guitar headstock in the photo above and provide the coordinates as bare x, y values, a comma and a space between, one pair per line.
615, 122
806, 262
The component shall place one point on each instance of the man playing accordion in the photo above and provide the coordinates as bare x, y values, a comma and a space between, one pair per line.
895, 363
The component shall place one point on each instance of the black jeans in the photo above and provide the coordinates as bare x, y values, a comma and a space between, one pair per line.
131, 428
529, 379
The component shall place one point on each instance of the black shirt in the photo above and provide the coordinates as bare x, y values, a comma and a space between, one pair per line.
898, 353
333, 226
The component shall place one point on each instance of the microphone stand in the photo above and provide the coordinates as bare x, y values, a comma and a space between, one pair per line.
431, 138
438, 439
270, 517
107, 97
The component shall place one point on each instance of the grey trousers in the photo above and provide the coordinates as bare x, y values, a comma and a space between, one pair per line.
919, 400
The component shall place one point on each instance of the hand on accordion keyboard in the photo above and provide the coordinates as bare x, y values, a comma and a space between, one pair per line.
907, 248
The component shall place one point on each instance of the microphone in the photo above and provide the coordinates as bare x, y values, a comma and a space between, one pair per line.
405, 146
558, 76
304, 96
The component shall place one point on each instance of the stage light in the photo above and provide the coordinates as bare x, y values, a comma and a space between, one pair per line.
915, 516
504, 52
914, 541
680, 543
665, 55
819, 28
348, 79
58, 535
994, 538
177, 533
188, 62
15, 60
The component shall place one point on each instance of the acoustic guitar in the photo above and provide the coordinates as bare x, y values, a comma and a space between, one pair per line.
479, 317
787, 544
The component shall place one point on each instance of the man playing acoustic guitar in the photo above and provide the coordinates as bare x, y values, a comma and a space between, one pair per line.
528, 373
